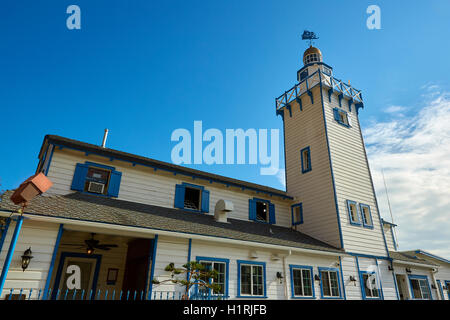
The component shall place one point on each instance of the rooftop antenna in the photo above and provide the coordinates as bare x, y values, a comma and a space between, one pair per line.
309, 35
389, 204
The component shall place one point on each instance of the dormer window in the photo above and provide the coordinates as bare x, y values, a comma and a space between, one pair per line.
191, 197
261, 210
95, 178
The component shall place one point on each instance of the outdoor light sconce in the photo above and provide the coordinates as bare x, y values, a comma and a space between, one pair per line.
26, 258
408, 270
280, 277
353, 279
316, 277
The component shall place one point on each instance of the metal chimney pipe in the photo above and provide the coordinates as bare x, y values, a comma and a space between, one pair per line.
105, 136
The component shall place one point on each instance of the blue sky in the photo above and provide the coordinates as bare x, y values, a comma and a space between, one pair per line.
145, 68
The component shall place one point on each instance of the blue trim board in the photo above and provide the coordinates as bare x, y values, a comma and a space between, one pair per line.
10, 253
395, 284
4, 232
447, 284
342, 278
366, 225
358, 215
441, 291
227, 269
193, 176
291, 271
331, 163
241, 262
47, 168
301, 213
65, 255
419, 277
52, 262
338, 279
189, 256
152, 270
432, 256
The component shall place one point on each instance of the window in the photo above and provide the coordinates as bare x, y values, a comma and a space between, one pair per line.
221, 266
327, 70
366, 216
341, 117
353, 213
419, 287
306, 159
302, 285
251, 278
297, 214
303, 75
329, 283
96, 178
261, 210
311, 58
447, 286
369, 285
191, 197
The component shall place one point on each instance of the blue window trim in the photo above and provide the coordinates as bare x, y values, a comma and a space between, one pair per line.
93, 164
64, 255
309, 160
419, 277
441, 291
299, 267
203, 192
244, 262
337, 119
227, 271
363, 291
355, 223
301, 213
447, 284
361, 206
338, 279
269, 204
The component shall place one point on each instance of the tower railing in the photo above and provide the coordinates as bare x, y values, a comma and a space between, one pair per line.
334, 84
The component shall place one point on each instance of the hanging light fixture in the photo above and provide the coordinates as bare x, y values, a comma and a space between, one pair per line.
26, 258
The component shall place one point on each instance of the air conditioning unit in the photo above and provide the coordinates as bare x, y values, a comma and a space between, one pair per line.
96, 187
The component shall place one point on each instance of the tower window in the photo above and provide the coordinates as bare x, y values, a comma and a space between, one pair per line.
261, 210
341, 117
353, 212
366, 216
297, 214
306, 159
312, 58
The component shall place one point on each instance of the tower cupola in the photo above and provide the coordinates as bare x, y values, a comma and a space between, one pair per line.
312, 55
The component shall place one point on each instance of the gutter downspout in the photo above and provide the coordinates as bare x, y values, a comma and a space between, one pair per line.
433, 278
285, 274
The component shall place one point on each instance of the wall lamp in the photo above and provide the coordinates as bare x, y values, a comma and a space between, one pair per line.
316, 277
26, 258
408, 270
280, 277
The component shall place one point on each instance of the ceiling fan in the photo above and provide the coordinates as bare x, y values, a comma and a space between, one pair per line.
92, 244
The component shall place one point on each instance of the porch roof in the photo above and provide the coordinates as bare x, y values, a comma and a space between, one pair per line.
79, 206
404, 256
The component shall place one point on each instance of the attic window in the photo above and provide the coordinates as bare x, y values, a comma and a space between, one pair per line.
192, 198
97, 180
262, 211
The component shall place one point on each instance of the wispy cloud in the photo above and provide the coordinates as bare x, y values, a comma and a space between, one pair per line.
414, 153
395, 109
281, 177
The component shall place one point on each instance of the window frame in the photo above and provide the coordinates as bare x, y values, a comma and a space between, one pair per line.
419, 278
293, 267
336, 112
241, 263
366, 225
212, 260
363, 287
308, 161
271, 214
323, 269
297, 205
355, 223
204, 195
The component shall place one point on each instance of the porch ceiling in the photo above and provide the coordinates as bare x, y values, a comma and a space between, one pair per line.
85, 207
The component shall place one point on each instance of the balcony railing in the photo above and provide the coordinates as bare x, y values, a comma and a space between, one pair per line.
333, 84
39, 294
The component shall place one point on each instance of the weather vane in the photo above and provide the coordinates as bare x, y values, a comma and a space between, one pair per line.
309, 35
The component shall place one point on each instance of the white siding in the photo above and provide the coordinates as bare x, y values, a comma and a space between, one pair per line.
144, 185
352, 288
352, 180
41, 237
314, 188
388, 234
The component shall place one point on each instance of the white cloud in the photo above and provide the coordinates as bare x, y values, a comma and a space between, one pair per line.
281, 177
414, 153
395, 109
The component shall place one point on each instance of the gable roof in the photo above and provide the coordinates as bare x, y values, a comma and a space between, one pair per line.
79, 206
161, 165
427, 254
407, 257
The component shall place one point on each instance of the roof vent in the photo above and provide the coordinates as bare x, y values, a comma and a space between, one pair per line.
221, 210
105, 136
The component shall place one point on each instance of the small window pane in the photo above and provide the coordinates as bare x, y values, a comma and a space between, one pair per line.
261, 211
307, 282
326, 283
246, 280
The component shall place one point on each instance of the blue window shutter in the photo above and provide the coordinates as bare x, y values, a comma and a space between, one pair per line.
79, 177
179, 196
271, 213
114, 183
251, 209
205, 201
336, 114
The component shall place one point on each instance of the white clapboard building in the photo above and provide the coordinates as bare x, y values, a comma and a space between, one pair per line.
119, 219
